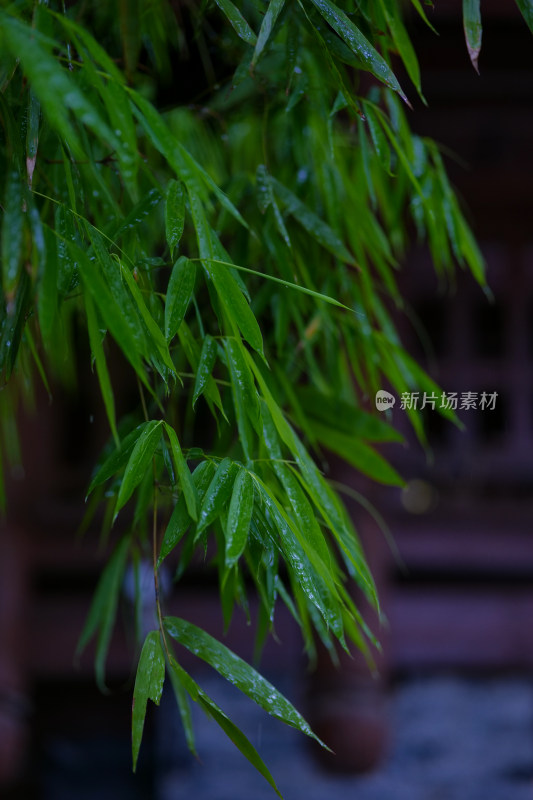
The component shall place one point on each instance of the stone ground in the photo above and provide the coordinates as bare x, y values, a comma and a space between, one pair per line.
452, 738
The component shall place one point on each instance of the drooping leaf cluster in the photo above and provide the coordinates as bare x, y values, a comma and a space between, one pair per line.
224, 193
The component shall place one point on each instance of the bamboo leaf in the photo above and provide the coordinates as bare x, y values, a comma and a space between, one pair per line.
12, 231
473, 29
118, 459
267, 26
179, 293
182, 699
148, 686
239, 516
355, 40
95, 340
50, 81
180, 518
237, 21
174, 214
102, 613
205, 367
402, 42
357, 453
138, 462
312, 223
187, 484
217, 494
237, 672
152, 326
526, 9
235, 305
230, 729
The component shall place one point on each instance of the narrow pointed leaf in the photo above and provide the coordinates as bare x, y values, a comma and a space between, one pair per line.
95, 340
102, 613
355, 40
12, 231
312, 223
205, 367
267, 25
237, 672
184, 706
239, 516
237, 21
473, 29
526, 9
180, 518
117, 460
148, 686
230, 729
174, 214
179, 293
187, 484
217, 495
138, 462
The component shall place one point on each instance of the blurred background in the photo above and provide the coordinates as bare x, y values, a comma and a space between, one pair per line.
451, 715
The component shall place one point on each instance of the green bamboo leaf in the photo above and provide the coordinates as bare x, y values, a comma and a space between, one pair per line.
179, 159
237, 672
379, 140
12, 323
344, 417
103, 610
267, 26
138, 462
182, 699
32, 136
191, 349
310, 577
312, 223
148, 686
402, 42
230, 729
526, 9
174, 214
187, 484
243, 380
117, 460
362, 48
49, 81
206, 363
473, 29
237, 21
179, 293
217, 494
12, 231
239, 516
95, 340
357, 453
238, 391
153, 328
323, 496
180, 518
45, 254
129, 13
136, 216
235, 305
266, 198
112, 313
308, 532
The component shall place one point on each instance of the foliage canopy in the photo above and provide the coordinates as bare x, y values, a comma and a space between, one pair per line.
225, 192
